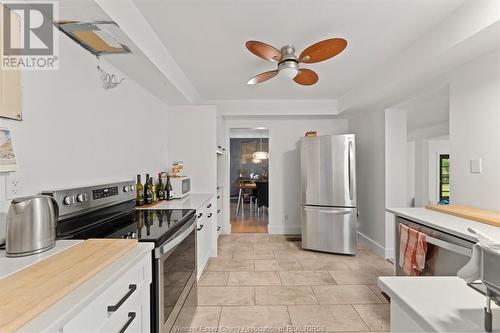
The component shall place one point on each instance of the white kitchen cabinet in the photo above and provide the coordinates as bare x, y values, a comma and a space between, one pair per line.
128, 295
124, 285
207, 234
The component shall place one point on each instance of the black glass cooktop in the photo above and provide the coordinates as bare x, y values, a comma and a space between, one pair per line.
123, 221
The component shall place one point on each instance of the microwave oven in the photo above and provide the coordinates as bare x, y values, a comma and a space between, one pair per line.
181, 186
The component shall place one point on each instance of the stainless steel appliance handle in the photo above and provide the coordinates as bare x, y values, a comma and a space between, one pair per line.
340, 211
177, 240
449, 246
349, 166
131, 317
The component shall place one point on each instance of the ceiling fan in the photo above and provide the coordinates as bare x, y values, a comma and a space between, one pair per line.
289, 63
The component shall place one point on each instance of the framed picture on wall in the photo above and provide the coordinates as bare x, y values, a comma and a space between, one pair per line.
8, 162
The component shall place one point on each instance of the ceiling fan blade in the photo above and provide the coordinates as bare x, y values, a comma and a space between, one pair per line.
262, 77
306, 77
323, 50
264, 50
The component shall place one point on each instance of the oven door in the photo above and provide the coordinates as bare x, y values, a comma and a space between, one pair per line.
175, 277
446, 254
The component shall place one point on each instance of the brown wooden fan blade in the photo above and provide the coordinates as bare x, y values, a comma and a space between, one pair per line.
262, 77
306, 77
323, 50
263, 50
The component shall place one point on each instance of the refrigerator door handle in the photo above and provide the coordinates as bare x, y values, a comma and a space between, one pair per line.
339, 211
349, 166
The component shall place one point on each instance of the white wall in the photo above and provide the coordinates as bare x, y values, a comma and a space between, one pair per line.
74, 133
475, 132
369, 128
410, 184
284, 164
395, 170
192, 137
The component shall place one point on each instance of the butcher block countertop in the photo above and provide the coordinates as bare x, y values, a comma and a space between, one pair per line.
468, 212
30, 291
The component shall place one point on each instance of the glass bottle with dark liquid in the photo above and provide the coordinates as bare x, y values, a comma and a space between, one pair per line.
168, 189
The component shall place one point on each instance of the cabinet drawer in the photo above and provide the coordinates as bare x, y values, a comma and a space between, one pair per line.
133, 316
118, 295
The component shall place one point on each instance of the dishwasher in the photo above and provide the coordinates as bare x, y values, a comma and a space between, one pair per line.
446, 254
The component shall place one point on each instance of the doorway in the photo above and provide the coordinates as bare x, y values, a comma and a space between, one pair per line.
249, 180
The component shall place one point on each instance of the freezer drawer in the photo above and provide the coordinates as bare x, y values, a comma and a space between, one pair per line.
329, 229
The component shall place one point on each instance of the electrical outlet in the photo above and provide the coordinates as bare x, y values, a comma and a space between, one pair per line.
13, 186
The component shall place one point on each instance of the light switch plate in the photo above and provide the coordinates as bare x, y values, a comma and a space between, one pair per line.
475, 165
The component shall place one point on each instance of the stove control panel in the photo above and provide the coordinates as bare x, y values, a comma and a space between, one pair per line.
75, 200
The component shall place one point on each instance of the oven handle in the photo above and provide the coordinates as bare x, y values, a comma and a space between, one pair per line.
449, 246
177, 240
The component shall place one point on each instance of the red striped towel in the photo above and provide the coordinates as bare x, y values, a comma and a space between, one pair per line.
412, 250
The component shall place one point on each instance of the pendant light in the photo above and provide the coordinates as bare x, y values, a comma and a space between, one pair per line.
261, 155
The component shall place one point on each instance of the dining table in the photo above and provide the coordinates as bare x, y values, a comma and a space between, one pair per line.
246, 185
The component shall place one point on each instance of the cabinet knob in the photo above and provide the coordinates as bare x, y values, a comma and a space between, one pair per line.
201, 227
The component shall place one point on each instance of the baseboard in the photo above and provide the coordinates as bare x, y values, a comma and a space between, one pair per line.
284, 230
389, 254
372, 245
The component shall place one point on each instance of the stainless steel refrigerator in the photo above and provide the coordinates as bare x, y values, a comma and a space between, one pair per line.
328, 193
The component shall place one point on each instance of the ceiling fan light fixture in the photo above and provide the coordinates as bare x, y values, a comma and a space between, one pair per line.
289, 63
289, 72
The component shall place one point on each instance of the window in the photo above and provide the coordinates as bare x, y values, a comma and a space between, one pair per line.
444, 177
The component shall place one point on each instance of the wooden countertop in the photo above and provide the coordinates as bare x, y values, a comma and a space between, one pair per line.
468, 212
29, 292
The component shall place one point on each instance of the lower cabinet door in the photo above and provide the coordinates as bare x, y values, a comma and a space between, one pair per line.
202, 244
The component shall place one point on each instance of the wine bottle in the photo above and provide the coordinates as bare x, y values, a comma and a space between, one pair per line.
139, 192
160, 189
146, 182
168, 189
153, 189
148, 195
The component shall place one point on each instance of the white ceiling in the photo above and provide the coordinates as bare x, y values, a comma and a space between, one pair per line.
206, 39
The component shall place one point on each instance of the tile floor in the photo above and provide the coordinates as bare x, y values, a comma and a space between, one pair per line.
265, 283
